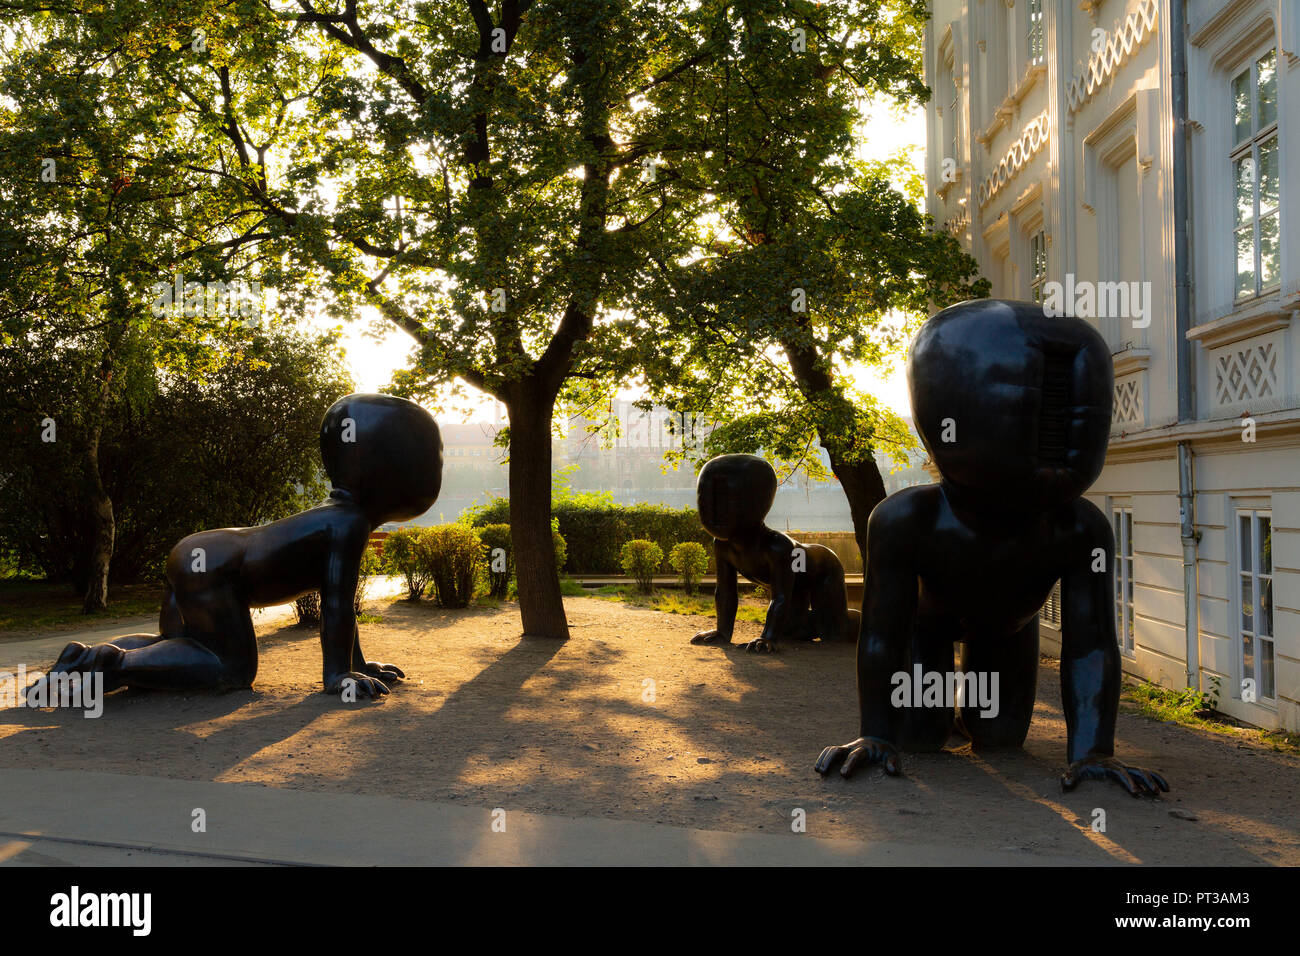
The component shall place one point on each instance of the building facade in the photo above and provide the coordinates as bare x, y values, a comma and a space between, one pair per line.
1052, 156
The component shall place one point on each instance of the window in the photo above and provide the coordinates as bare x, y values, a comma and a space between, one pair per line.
1037, 264
949, 106
954, 142
1256, 185
1255, 600
1123, 523
1035, 32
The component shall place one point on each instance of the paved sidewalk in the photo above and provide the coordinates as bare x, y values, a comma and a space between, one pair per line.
50, 817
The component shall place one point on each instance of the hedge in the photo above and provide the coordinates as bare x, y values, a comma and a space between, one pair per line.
596, 533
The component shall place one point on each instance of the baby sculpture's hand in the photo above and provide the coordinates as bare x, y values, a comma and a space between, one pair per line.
389, 673
358, 684
860, 752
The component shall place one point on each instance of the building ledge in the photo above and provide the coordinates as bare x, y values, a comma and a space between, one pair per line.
1250, 319
1130, 360
1028, 80
946, 187
1281, 427
1003, 114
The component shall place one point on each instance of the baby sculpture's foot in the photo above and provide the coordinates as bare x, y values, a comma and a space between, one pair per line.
1136, 780
70, 659
81, 659
711, 637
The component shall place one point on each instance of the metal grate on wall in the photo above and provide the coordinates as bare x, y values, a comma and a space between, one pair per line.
1051, 611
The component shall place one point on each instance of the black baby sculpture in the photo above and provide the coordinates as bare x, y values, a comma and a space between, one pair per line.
1014, 407
383, 456
734, 494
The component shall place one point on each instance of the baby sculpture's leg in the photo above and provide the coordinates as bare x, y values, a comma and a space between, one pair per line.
212, 647
830, 607
1013, 658
927, 729
388, 673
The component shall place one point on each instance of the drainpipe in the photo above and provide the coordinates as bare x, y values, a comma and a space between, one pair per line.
1182, 347
1190, 536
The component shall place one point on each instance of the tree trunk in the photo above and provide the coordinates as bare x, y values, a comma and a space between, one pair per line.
541, 604
99, 529
865, 488
861, 480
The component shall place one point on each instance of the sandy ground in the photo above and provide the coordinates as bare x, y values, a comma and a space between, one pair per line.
627, 720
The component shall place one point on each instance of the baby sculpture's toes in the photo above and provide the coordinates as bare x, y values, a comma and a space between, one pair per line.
353, 685
710, 637
389, 673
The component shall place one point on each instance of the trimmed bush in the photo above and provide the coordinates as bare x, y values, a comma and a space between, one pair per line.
559, 544
402, 557
498, 536
594, 532
307, 608
371, 565
453, 556
690, 561
640, 560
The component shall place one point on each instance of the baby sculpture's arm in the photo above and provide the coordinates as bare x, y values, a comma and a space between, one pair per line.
781, 580
725, 600
338, 620
1090, 664
889, 609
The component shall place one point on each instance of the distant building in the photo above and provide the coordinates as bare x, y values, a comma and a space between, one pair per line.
628, 461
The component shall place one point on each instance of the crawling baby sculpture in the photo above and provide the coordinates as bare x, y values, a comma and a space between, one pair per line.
383, 456
1014, 407
734, 493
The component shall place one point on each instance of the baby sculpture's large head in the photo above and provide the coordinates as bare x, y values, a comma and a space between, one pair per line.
734, 492
1012, 404
384, 451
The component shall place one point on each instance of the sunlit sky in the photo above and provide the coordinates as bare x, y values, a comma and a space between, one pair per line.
372, 354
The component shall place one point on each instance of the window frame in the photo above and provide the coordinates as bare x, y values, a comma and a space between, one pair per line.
1037, 255
1035, 32
1250, 148
1240, 631
1122, 598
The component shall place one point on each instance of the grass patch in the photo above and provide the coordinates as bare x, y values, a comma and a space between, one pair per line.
571, 588
676, 602
28, 606
364, 618
1192, 708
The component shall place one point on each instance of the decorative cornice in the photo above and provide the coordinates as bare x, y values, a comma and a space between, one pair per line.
1136, 28
1032, 139
1227, 15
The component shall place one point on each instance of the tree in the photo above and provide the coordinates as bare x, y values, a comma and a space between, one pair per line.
104, 202
237, 448
506, 183
812, 258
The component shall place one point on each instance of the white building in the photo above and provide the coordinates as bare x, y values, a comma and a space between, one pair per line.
1053, 157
